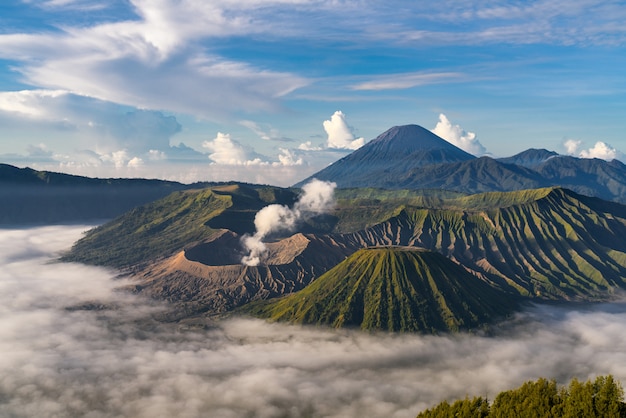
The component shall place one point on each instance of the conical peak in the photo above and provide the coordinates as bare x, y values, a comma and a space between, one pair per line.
414, 135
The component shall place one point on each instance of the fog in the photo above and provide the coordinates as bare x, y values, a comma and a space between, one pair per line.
114, 361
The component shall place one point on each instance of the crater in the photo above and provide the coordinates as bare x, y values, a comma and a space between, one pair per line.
227, 250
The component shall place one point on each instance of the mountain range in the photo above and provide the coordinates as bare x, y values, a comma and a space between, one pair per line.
412, 157
539, 244
478, 238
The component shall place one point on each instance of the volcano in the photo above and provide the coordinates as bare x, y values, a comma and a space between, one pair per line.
392, 154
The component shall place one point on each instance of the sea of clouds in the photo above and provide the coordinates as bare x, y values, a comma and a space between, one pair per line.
115, 361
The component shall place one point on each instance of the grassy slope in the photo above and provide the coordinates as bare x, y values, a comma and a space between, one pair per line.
392, 289
168, 225
549, 243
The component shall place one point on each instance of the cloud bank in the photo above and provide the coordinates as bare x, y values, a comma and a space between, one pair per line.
120, 363
458, 137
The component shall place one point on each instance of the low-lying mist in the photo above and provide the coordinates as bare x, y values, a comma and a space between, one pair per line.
113, 361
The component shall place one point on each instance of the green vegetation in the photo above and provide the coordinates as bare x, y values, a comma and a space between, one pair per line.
392, 289
546, 243
602, 398
168, 225
361, 208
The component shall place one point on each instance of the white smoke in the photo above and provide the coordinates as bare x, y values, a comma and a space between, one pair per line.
317, 198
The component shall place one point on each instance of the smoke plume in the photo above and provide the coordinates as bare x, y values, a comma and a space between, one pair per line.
317, 198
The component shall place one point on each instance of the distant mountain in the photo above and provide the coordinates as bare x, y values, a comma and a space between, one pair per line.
530, 158
588, 176
411, 157
40, 197
403, 289
391, 154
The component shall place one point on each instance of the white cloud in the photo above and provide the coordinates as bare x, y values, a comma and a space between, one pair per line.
224, 150
154, 62
265, 134
288, 157
405, 81
572, 146
308, 146
600, 150
30, 103
135, 162
101, 126
120, 362
458, 137
340, 133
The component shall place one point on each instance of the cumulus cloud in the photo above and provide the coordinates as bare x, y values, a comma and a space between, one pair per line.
288, 157
116, 361
458, 137
340, 133
600, 150
572, 146
308, 146
225, 150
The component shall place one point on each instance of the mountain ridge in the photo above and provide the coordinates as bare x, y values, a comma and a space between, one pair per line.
400, 164
539, 244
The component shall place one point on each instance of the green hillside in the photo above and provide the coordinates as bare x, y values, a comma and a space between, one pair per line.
170, 224
392, 289
547, 243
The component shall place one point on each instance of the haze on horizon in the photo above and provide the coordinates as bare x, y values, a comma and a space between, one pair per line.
272, 91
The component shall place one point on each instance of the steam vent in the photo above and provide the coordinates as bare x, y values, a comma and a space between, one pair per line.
210, 276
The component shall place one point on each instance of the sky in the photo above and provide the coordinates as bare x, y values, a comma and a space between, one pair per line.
271, 91
115, 361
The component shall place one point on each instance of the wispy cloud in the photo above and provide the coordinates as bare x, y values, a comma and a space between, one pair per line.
157, 61
405, 81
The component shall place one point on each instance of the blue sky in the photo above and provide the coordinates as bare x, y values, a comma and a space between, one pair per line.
272, 91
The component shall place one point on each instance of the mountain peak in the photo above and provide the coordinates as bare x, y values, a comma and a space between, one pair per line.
530, 158
390, 155
412, 138
392, 289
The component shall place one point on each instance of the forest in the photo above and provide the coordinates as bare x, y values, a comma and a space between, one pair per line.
602, 398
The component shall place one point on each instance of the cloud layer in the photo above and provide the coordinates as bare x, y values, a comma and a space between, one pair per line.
120, 363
